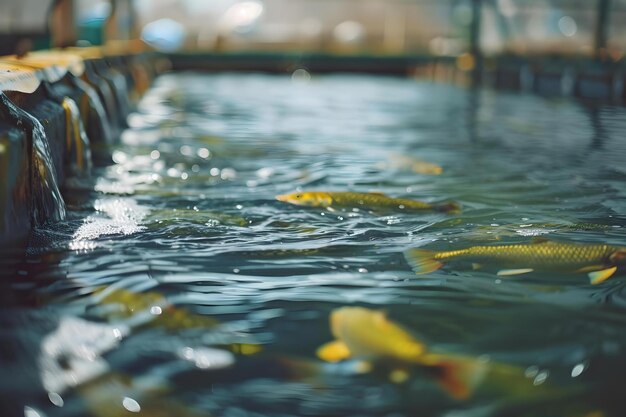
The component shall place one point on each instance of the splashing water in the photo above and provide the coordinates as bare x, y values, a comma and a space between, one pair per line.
49, 204
77, 143
93, 112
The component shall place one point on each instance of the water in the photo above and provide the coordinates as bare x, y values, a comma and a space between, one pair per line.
51, 205
178, 285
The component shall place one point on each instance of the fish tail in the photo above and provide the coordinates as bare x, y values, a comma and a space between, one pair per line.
422, 260
458, 376
450, 207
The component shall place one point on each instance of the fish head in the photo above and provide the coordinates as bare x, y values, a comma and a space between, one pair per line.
308, 198
618, 258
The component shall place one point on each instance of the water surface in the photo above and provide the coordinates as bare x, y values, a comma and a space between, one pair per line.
232, 289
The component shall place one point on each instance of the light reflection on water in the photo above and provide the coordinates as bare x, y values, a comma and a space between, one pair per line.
188, 211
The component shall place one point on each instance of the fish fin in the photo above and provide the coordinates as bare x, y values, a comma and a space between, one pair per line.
591, 268
597, 277
508, 272
476, 266
334, 351
399, 375
459, 376
422, 260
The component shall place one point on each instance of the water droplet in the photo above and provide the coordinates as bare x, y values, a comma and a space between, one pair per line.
186, 150
228, 174
156, 310
531, 371
155, 154
301, 75
56, 399
184, 176
541, 378
265, 172
236, 270
362, 270
204, 153
30, 412
238, 206
578, 369
119, 157
131, 405
214, 172
498, 281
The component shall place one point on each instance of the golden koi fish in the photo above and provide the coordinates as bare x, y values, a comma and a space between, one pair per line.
598, 260
346, 199
368, 335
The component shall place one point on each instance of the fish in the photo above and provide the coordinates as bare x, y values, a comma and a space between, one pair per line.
416, 165
348, 199
145, 309
599, 261
369, 336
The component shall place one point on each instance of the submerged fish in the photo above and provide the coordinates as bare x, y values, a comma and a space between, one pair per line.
416, 165
598, 260
146, 309
368, 335
347, 199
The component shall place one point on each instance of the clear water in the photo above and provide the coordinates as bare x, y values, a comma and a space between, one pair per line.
231, 290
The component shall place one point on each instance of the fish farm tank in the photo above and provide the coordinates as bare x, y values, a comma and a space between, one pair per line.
312, 208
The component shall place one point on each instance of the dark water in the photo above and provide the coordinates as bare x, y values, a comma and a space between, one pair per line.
229, 291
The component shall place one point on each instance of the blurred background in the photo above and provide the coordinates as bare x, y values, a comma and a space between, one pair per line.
422, 27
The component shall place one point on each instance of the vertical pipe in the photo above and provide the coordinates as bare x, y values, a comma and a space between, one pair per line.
61, 23
602, 29
475, 41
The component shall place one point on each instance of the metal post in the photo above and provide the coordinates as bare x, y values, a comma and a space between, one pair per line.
62, 24
475, 41
602, 29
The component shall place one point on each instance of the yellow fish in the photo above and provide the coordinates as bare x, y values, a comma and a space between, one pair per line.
598, 260
368, 335
347, 199
416, 165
